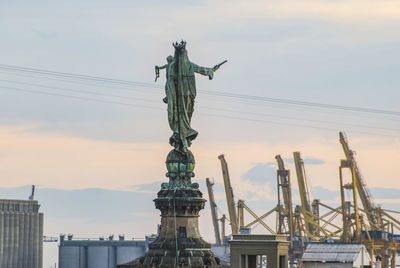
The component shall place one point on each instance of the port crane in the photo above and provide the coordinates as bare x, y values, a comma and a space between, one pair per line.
285, 212
229, 195
288, 223
365, 223
300, 218
236, 217
375, 235
309, 213
314, 225
374, 215
213, 207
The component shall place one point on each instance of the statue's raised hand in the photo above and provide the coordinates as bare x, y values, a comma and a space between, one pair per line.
216, 67
157, 69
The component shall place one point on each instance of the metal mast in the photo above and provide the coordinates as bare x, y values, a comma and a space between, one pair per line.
229, 195
284, 186
304, 196
373, 215
213, 207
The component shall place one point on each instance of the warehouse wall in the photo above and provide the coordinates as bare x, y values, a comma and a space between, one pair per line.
98, 253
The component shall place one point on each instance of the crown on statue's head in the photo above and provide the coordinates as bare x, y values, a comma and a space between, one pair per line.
180, 45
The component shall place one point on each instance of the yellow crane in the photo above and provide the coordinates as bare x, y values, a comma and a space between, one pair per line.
374, 216
348, 216
284, 212
308, 213
376, 238
213, 207
237, 218
229, 195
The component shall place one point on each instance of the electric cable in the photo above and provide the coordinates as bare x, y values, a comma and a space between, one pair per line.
207, 108
215, 93
212, 115
80, 98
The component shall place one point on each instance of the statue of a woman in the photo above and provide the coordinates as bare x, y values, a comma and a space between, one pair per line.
181, 93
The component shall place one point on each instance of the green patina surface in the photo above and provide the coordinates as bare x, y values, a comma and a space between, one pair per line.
180, 90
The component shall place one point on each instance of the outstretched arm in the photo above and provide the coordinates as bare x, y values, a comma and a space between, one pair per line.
203, 70
207, 71
162, 67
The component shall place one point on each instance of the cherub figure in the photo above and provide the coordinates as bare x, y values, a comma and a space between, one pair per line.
166, 67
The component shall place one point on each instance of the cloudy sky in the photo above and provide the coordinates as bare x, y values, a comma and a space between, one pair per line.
83, 141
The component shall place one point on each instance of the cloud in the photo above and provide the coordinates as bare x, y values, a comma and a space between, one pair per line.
261, 173
385, 193
153, 187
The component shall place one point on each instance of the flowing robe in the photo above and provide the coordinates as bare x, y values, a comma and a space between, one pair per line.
181, 95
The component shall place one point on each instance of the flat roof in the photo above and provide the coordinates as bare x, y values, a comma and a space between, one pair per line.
331, 252
91, 243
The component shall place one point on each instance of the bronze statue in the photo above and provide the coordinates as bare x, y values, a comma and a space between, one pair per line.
180, 90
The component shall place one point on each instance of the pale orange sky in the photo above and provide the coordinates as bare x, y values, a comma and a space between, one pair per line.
58, 161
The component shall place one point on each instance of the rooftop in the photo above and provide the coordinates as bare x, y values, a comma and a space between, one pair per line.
14, 205
331, 252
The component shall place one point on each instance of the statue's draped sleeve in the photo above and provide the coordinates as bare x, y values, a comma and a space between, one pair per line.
203, 70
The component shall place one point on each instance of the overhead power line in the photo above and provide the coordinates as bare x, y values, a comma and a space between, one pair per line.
305, 103
75, 76
201, 113
208, 92
79, 98
75, 91
206, 107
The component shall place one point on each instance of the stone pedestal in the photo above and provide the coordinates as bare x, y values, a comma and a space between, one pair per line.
179, 243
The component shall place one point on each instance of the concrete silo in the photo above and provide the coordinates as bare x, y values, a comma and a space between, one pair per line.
21, 234
97, 253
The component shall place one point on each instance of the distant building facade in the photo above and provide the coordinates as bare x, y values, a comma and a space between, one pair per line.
259, 251
21, 234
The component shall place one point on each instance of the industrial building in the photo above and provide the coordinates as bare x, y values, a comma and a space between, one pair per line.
21, 234
320, 255
99, 253
110, 252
